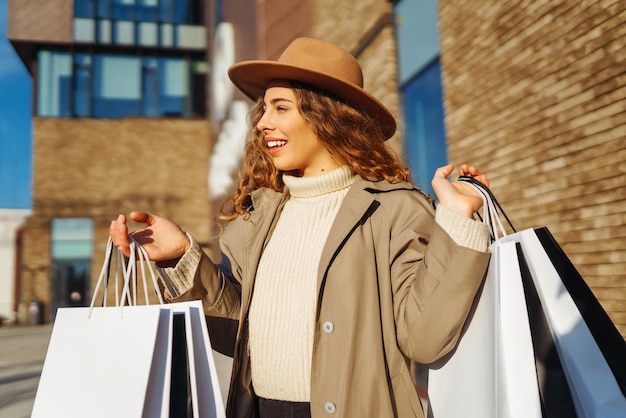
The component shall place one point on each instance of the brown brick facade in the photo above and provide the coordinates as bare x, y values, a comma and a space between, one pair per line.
535, 94
100, 168
365, 28
40, 20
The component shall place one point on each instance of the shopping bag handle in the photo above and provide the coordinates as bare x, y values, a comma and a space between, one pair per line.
138, 255
492, 210
130, 277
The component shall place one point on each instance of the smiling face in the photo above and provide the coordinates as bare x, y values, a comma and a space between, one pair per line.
294, 146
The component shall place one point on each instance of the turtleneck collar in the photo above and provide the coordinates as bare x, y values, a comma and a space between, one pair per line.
312, 186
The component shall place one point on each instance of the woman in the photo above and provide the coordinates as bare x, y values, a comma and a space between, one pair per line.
338, 271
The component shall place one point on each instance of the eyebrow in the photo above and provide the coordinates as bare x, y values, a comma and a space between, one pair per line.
276, 100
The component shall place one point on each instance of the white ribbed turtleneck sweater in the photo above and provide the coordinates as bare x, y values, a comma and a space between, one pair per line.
282, 312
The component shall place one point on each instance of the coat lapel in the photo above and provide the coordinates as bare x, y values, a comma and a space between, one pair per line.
267, 205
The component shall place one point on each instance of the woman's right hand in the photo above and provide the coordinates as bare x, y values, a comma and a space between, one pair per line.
162, 239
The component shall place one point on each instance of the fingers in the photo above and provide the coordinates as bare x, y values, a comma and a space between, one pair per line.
468, 170
119, 234
445, 171
143, 218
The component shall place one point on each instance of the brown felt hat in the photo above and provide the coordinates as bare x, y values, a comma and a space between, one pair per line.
319, 64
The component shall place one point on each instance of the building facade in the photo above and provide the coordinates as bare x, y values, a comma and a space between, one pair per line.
535, 94
532, 92
119, 124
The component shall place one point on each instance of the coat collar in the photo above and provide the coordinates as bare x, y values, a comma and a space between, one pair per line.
265, 206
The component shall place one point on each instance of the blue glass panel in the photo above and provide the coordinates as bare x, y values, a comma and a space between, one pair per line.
124, 9
105, 9
54, 84
82, 85
219, 11
65, 92
117, 86
180, 11
417, 34
72, 238
147, 10
425, 130
150, 95
173, 85
166, 11
84, 8
188, 12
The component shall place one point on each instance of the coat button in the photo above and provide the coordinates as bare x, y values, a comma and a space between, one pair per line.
328, 327
330, 407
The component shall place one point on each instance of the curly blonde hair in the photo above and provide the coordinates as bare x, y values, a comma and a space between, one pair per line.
351, 136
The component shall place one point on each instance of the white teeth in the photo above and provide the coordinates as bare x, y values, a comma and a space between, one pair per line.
273, 144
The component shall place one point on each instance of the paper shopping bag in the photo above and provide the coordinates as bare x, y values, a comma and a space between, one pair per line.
556, 399
203, 384
129, 361
100, 366
491, 373
593, 375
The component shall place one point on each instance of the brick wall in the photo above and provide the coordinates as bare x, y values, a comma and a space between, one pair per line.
535, 94
41, 20
365, 28
100, 168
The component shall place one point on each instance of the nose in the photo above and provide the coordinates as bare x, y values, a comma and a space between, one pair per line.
265, 123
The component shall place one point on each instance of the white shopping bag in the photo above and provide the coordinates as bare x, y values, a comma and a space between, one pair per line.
117, 361
100, 366
205, 390
491, 373
592, 382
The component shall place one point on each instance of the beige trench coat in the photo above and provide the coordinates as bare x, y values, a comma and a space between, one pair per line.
392, 287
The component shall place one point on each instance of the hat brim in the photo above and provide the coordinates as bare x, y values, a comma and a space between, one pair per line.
252, 78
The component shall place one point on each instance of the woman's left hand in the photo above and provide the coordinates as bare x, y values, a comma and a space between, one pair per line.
459, 196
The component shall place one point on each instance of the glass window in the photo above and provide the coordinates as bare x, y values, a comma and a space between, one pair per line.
72, 249
84, 8
147, 10
82, 85
424, 119
417, 34
191, 36
124, 32
173, 84
104, 31
117, 86
167, 35
198, 83
72, 238
104, 9
148, 34
219, 11
150, 87
166, 11
84, 30
124, 9
188, 12
54, 82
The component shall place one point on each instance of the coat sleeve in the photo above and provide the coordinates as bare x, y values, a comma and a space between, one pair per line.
218, 286
434, 283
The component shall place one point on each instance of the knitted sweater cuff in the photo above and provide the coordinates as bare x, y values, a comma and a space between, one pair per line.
464, 231
178, 279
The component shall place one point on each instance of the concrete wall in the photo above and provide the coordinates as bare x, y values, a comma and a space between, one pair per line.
10, 222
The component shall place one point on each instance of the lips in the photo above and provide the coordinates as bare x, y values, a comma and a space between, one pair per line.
275, 145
